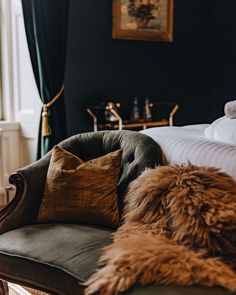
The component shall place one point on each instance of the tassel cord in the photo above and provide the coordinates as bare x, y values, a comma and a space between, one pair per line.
46, 128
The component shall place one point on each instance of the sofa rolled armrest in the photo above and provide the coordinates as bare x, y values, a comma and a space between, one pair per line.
18, 181
23, 209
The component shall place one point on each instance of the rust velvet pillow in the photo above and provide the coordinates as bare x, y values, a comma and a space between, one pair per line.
81, 192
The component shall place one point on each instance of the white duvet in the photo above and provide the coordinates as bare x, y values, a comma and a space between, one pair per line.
189, 144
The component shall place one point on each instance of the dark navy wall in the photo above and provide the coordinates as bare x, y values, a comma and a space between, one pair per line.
197, 70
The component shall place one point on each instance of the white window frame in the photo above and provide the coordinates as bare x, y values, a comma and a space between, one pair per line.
7, 102
1, 115
20, 98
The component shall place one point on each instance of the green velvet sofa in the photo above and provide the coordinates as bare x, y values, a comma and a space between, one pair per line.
58, 258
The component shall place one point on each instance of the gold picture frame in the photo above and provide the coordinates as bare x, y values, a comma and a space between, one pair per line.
143, 19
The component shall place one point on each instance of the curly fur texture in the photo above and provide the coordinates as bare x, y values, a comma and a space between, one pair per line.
179, 228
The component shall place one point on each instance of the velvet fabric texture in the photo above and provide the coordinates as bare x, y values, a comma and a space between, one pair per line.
81, 192
56, 257
46, 32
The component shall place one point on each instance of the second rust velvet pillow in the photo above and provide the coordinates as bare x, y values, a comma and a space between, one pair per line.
81, 192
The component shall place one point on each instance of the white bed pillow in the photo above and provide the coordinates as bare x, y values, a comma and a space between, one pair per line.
222, 129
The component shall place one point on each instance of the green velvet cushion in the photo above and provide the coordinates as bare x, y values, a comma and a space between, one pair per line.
44, 253
59, 257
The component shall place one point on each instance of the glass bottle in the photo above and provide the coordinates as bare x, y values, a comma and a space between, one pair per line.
135, 114
147, 114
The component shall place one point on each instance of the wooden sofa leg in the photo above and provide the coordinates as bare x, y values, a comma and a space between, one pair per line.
4, 288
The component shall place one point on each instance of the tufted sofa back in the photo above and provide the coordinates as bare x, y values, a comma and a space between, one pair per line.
139, 152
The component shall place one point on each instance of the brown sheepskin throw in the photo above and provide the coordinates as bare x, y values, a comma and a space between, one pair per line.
179, 228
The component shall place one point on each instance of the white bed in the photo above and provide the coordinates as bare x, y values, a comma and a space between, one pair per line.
189, 144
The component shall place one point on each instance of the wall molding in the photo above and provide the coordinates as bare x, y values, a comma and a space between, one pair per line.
9, 155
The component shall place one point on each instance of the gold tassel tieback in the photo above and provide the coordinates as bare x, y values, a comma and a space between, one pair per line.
46, 129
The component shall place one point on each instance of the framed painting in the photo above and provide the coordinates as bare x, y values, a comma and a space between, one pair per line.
143, 19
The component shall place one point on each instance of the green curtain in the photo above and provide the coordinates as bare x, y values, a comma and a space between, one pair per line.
46, 30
